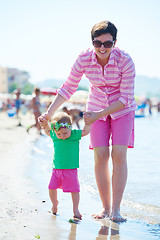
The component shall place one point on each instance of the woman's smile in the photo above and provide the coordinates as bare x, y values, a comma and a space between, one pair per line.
102, 52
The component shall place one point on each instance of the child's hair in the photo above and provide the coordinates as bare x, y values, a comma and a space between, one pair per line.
61, 117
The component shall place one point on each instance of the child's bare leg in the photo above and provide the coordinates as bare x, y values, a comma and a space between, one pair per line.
75, 200
53, 197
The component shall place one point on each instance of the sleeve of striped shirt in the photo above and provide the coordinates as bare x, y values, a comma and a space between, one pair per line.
127, 82
71, 85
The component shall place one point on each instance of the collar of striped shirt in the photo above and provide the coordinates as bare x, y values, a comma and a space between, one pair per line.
111, 58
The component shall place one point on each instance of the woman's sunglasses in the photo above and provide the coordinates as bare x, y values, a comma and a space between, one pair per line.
107, 44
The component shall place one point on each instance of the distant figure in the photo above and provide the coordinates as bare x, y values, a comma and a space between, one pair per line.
9, 104
76, 115
65, 159
146, 103
149, 105
36, 110
158, 106
18, 103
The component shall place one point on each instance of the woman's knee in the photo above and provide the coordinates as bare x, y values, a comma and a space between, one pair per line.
119, 154
101, 155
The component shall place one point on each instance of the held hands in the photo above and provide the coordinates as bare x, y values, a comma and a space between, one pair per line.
90, 117
43, 120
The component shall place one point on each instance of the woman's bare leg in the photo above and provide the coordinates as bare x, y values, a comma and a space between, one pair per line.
101, 156
119, 179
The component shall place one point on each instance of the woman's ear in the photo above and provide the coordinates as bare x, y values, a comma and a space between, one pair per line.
114, 43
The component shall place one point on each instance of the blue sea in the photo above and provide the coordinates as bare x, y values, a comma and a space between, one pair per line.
141, 201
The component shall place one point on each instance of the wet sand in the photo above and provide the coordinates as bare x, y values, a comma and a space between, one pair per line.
25, 211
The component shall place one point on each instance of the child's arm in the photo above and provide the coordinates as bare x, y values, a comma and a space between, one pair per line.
86, 129
47, 129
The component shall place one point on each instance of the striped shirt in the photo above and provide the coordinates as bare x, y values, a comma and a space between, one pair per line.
115, 82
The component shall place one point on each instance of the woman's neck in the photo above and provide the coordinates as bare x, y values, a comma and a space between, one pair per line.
103, 62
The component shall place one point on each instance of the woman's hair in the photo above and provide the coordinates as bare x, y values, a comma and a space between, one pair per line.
61, 117
102, 28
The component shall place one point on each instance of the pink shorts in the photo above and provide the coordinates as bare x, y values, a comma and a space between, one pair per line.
120, 131
66, 179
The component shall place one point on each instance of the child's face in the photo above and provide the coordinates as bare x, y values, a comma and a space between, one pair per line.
63, 133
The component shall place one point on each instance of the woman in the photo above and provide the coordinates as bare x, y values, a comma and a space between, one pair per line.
110, 110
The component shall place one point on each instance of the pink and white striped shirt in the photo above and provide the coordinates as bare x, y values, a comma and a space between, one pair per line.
115, 83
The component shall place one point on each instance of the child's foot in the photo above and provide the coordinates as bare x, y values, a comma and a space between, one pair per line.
77, 215
116, 217
55, 208
101, 215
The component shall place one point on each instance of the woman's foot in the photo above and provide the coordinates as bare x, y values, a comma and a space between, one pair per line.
116, 217
101, 215
55, 208
77, 215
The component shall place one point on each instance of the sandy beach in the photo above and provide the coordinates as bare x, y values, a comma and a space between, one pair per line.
19, 206
25, 210
23, 213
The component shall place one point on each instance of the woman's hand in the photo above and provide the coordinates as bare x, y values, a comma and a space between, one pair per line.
90, 117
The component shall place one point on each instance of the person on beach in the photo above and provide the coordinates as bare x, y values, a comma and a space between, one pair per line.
110, 109
76, 115
18, 103
65, 159
35, 104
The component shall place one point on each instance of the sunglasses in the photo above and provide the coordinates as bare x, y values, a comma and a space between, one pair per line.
107, 44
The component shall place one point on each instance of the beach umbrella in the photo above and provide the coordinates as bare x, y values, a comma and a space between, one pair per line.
48, 91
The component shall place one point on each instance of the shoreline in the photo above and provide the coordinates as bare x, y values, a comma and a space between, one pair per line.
25, 209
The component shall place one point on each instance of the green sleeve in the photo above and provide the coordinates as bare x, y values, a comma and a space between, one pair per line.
76, 134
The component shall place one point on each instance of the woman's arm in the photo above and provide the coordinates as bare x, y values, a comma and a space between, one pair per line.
58, 101
64, 92
91, 117
44, 118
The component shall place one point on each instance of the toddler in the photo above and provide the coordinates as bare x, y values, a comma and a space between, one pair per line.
65, 159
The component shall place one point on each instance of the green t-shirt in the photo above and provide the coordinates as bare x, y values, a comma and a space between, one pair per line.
66, 152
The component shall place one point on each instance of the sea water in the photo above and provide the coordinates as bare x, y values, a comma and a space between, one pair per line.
141, 200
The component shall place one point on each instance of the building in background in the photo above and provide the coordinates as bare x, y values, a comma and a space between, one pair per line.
3, 80
10, 77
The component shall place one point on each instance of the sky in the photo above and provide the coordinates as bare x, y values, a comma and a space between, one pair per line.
44, 37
